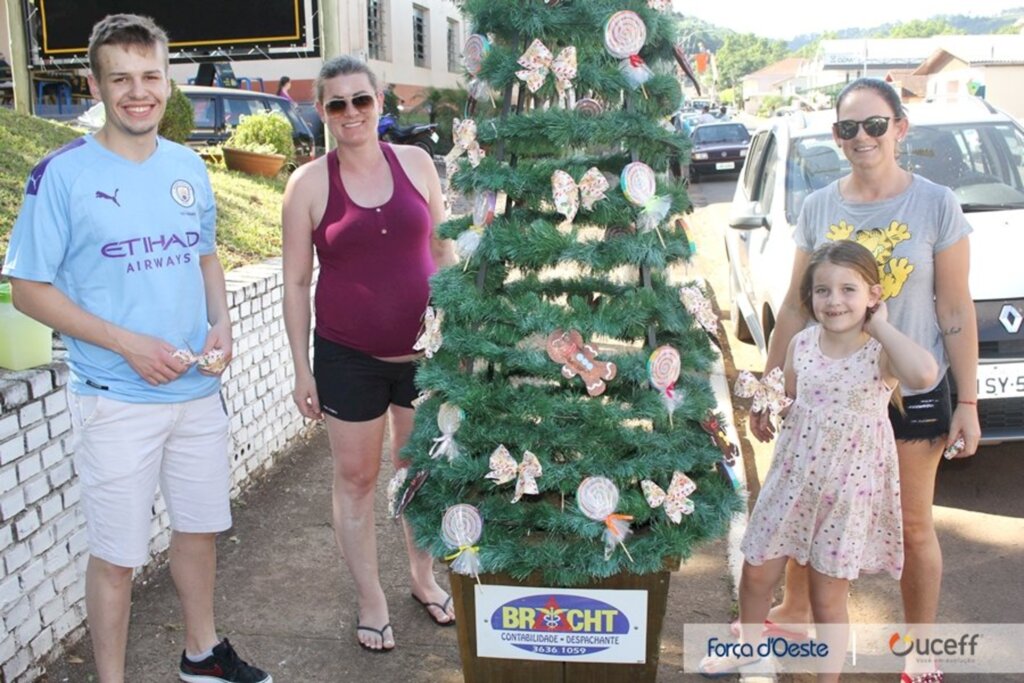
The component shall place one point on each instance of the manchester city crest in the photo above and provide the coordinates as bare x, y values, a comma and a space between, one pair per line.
183, 193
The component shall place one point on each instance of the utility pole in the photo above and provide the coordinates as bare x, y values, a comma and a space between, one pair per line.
330, 44
18, 56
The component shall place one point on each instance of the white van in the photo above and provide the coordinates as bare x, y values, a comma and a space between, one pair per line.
971, 147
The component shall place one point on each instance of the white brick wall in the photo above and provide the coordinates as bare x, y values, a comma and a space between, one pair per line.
42, 531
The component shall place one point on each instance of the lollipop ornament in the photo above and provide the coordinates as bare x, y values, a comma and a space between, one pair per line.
640, 186
597, 498
449, 418
663, 368
473, 55
461, 528
624, 36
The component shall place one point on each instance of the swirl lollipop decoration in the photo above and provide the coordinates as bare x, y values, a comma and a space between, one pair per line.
597, 498
624, 36
663, 368
449, 419
639, 186
473, 55
461, 528
588, 106
475, 51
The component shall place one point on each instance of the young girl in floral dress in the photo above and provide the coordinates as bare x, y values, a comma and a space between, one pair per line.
831, 497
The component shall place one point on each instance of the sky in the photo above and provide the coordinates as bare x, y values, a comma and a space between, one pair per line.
787, 19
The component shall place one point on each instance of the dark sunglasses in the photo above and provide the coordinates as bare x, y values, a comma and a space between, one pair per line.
359, 103
875, 126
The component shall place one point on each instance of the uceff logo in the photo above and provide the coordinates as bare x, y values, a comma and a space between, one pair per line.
559, 624
965, 646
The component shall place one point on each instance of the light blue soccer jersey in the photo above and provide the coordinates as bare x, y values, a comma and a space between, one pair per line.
122, 240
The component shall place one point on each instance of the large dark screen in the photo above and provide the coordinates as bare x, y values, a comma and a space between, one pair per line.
64, 25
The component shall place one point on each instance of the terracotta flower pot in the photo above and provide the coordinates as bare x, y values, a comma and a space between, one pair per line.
253, 163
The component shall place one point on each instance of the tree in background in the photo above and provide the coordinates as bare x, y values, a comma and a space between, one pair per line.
563, 363
923, 28
745, 53
179, 117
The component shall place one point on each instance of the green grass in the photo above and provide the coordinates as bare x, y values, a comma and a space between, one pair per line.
249, 208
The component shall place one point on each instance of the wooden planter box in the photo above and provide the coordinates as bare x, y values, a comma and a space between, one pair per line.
492, 670
266, 165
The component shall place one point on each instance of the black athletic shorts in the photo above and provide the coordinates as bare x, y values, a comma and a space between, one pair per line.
925, 416
356, 387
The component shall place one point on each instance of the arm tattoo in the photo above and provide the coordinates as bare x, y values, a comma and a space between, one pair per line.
951, 331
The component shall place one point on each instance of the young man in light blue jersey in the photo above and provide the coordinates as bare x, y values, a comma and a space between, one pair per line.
115, 248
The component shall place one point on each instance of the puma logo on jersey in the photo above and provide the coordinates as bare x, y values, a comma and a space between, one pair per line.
104, 195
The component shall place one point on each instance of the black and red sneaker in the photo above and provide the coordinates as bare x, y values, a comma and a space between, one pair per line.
223, 666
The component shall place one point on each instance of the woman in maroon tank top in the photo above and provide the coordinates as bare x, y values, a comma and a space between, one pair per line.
368, 210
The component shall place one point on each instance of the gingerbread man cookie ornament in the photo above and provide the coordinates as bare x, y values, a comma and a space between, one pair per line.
577, 358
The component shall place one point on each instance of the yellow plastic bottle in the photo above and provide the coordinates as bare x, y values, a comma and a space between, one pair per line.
24, 342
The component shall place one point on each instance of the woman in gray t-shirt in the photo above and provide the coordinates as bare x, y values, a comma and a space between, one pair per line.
919, 236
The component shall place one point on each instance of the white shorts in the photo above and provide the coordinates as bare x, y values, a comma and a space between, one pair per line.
123, 449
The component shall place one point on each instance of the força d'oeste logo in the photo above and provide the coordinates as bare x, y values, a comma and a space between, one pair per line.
560, 625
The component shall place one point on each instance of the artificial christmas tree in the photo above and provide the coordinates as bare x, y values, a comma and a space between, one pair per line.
559, 439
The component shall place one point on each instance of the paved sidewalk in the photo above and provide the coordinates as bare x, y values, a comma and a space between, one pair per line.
285, 599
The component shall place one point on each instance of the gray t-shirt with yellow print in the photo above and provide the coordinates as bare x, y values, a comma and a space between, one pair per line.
904, 232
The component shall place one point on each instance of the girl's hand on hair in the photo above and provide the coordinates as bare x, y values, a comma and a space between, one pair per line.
877, 315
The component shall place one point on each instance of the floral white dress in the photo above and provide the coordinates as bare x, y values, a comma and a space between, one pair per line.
832, 495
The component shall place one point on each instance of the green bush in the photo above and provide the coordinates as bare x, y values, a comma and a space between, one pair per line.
179, 118
263, 133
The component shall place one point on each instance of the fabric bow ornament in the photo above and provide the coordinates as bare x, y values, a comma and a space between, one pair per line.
568, 194
430, 338
464, 142
504, 469
676, 500
699, 308
538, 61
769, 393
660, 5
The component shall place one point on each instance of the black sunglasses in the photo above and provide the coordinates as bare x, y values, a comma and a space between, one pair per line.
337, 107
875, 126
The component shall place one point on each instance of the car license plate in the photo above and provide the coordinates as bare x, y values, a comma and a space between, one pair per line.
725, 165
1000, 380
434, 137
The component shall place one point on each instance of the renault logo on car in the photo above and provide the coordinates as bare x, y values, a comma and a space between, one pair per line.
1011, 318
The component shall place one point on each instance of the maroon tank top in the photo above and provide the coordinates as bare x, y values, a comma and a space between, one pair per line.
374, 266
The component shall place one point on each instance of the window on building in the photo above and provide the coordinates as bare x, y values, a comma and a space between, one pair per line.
376, 22
420, 36
453, 46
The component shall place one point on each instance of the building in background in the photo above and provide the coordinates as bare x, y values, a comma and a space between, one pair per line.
986, 66
410, 44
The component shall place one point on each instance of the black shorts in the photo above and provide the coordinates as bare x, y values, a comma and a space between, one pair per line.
925, 416
356, 387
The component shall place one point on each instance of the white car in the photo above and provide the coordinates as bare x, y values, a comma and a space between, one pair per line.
971, 147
